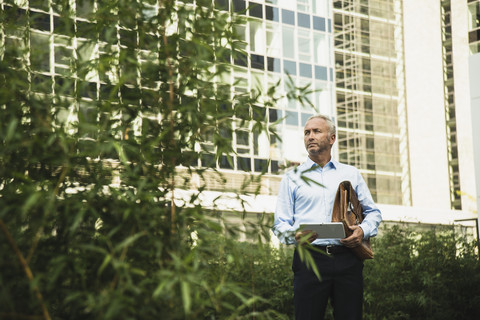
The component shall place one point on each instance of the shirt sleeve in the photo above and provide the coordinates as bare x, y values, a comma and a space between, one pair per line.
373, 216
285, 208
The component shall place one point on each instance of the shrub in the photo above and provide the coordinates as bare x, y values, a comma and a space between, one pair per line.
422, 275
415, 275
91, 160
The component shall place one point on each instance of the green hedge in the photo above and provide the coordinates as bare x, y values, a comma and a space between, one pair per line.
428, 275
415, 275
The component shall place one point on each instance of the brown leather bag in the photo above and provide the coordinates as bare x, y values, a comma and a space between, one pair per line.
348, 210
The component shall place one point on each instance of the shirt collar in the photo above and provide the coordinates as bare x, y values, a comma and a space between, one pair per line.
333, 164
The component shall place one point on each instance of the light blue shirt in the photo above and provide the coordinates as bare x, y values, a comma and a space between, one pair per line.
302, 201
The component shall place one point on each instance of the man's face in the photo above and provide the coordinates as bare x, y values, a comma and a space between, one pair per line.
317, 138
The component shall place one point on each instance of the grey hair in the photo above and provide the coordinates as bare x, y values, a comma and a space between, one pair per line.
331, 125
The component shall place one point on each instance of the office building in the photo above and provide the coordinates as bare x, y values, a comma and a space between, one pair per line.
401, 98
370, 95
438, 104
391, 73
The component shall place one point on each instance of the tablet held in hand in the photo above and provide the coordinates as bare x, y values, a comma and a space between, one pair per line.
329, 230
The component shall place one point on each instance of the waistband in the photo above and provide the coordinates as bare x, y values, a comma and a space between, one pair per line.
331, 249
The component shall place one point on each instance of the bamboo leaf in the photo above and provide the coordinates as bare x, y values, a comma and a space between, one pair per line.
12, 126
186, 298
105, 263
129, 241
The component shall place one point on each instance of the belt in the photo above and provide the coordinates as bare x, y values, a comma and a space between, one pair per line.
332, 249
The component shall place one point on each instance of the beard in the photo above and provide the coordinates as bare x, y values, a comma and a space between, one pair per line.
316, 148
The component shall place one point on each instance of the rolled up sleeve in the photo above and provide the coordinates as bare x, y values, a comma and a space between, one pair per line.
373, 216
283, 221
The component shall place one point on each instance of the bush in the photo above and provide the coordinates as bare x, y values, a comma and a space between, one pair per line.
266, 273
415, 275
428, 275
91, 161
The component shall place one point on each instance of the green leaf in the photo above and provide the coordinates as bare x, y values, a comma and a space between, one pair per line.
31, 201
120, 152
12, 126
186, 297
77, 220
105, 263
128, 241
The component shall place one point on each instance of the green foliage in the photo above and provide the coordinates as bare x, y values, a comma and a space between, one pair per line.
262, 272
422, 275
415, 275
265, 272
90, 157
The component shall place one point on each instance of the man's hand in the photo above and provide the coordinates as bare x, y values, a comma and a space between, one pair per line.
355, 239
300, 236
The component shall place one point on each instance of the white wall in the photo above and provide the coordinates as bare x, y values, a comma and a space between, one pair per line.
474, 62
425, 104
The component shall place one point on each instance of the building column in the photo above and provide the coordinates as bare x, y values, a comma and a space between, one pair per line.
474, 66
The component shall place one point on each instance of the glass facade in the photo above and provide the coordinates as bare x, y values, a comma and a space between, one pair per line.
348, 53
474, 26
288, 43
450, 114
370, 95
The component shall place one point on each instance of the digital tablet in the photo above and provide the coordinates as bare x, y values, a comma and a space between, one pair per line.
330, 230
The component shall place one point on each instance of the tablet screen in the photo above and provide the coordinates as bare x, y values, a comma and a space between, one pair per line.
331, 230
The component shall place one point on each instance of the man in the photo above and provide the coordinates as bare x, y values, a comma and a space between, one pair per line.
301, 201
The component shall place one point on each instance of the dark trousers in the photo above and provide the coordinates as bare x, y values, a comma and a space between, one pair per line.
341, 282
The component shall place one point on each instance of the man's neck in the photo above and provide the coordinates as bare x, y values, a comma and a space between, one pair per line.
321, 160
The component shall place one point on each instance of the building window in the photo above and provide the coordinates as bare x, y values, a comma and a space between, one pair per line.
474, 36
475, 47
321, 49
239, 6
474, 15
224, 163
243, 141
321, 73
288, 17
257, 37
40, 52
255, 10
221, 4
244, 164
273, 39
291, 118
261, 165
303, 20
288, 41
290, 67
304, 46
274, 114
272, 13
303, 5
273, 64
305, 70
257, 61
40, 21
319, 23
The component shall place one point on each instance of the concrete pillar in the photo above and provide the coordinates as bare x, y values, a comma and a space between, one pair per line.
474, 75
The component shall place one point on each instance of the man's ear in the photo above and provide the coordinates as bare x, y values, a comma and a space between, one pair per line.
333, 137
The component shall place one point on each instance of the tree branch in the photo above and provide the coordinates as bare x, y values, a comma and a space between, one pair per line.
26, 268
